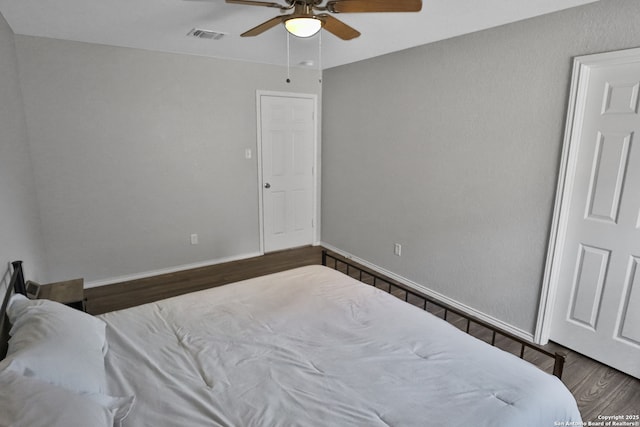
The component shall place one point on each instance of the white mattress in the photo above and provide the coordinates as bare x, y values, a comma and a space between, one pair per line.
313, 347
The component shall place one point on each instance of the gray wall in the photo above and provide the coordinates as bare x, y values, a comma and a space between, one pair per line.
134, 150
20, 234
452, 149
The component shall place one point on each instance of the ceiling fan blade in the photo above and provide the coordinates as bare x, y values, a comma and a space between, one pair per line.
338, 28
257, 30
356, 6
259, 3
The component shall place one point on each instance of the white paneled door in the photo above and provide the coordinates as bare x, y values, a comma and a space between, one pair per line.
597, 256
288, 141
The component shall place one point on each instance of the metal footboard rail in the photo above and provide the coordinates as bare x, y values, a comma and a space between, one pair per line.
361, 273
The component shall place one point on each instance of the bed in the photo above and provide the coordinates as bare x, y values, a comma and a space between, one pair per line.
306, 347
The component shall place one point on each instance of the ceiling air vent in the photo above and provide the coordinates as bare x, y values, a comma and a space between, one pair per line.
206, 34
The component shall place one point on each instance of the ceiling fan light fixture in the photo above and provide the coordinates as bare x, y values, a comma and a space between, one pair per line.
303, 26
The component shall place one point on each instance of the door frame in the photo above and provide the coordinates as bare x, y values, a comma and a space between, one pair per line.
582, 66
315, 214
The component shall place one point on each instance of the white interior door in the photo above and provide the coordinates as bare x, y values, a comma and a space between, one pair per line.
597, 258
288, 141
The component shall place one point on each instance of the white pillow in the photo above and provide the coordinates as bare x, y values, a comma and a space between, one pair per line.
30, 402
57, 344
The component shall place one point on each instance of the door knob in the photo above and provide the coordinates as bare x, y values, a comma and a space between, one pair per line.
267, 185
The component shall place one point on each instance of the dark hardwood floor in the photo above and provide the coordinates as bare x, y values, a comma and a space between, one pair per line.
135, 292
598, 389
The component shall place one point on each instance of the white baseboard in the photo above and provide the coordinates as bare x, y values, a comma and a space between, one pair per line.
520, 333
145, 274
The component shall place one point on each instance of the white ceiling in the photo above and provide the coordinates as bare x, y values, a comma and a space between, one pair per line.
163, 25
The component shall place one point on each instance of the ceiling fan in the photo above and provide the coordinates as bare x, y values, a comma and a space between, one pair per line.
310, 16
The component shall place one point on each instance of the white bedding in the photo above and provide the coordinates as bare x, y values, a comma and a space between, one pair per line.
313, 347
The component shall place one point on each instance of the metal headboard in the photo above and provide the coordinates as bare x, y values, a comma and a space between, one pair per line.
17, 285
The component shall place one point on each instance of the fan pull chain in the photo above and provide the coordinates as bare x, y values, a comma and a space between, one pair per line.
320, 56
288, 59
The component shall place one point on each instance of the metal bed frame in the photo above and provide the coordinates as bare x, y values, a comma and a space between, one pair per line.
361, 274
17, 285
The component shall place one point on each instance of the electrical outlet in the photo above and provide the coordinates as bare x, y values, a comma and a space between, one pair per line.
194, 239
397, 249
